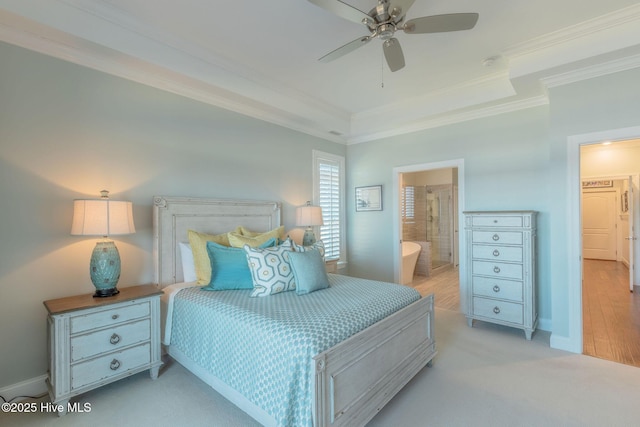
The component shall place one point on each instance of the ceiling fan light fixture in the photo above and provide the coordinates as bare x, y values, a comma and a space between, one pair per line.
386, 31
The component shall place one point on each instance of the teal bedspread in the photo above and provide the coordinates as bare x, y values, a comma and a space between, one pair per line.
263, 347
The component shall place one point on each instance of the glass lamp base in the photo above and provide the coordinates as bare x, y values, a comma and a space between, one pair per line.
105, 268
309, 238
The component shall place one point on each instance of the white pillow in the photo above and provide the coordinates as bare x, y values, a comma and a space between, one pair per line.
188, 266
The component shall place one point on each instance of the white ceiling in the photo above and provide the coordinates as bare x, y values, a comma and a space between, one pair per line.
259, 57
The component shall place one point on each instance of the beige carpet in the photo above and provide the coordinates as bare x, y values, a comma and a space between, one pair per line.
483, 376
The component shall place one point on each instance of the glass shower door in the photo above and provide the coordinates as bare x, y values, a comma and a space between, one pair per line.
439, 224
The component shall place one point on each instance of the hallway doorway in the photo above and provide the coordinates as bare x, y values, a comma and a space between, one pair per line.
610, 307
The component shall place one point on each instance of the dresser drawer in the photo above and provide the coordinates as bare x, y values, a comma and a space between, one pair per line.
105, 340
497, 221
498, 310
499, 270
110, 365
496, 288
497, 237
498, 253
112, 316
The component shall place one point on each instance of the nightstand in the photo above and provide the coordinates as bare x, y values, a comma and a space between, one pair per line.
96, 341
331, 265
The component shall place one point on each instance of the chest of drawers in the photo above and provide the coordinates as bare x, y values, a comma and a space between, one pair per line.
501, 268
95, 341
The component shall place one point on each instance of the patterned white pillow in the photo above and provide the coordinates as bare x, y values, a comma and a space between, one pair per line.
270, 269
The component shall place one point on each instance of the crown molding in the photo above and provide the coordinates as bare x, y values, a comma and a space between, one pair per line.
590, 72
628, 15
448, 119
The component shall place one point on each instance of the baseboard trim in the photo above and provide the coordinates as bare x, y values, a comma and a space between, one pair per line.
564, 343
32, 387
544, 324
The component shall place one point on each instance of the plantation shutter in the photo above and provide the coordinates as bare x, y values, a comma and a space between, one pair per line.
328, 195
329, 201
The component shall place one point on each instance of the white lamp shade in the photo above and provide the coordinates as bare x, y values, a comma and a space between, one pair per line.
102, 217
309, 216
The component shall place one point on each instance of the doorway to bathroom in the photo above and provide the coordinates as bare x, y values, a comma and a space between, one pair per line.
428, 217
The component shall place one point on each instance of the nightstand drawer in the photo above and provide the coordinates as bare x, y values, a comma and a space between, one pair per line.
498, 269
91, 344
110, 365
496, 288
499, 310
112, 316
497, 237
498, 253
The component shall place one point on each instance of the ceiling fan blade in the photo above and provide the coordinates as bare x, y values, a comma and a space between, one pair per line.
343, 50
398, 8
393, 54
441, 23
343, 10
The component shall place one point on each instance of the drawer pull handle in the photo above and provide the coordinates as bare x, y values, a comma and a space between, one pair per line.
115, 316
495, 237
496, 269
115, 339
496, 310
496, 252
115, 364
496, 288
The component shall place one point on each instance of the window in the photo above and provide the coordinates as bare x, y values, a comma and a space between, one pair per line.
328, 193
408, 203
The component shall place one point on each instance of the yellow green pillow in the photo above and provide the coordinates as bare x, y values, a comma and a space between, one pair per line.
237, 239
198, 242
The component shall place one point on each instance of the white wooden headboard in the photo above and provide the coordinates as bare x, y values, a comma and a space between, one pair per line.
173, 216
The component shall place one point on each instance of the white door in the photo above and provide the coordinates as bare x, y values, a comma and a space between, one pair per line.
599, 225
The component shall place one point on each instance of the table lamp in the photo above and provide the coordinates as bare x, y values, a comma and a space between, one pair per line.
309, 216
103, 217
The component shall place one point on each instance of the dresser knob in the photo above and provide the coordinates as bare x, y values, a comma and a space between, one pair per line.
496, 310
495, 237
496, 288
115, 339
115, 316
496, 270
115, 364
496, 252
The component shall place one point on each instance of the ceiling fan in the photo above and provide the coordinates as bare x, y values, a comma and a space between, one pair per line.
387, 18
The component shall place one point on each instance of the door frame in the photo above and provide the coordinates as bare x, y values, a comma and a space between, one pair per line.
573, 341
397, 218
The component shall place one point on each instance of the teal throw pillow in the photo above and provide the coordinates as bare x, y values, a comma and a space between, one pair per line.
229, 267
309, 271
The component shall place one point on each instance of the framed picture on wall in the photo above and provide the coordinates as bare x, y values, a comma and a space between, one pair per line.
369, 198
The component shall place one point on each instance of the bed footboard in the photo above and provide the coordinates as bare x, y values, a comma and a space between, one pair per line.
357, 377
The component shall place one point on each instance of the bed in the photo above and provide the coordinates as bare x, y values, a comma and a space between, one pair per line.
310, 371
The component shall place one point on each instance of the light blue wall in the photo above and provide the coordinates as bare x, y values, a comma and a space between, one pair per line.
505, 162
512, 161
68, 132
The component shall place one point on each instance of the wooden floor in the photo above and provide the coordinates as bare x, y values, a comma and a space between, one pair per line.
444, 283
610, 313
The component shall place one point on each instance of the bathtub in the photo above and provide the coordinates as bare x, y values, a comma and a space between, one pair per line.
410, 253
